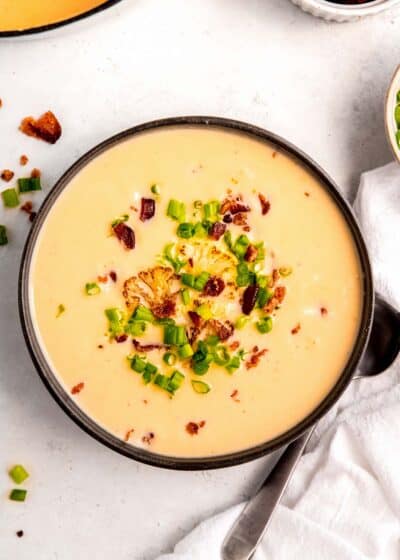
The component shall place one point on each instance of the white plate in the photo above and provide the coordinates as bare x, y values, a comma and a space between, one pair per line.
337, 12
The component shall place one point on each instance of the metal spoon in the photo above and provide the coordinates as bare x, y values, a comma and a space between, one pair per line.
248, 530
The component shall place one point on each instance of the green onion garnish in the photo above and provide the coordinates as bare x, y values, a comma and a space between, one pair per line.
176, 263
18, 495
185, 230
185, 296
161, 381
244, 276
155, 189
18, 474
285, 271
116, 318
3, 235
60, 310
176, 210
211, 210
120, 220
175, 335
135, 328
138, 364
228, 240
175, 381
201, 281
262, 281
233, 364
169, 358
200, 367
221, 356
204, 311
143, 313
240, 246
10, 198
188, 279
264, 325
92, 289
263, 296
185, 351
212, 340
29, 184
200, 387
241, 322
200, 229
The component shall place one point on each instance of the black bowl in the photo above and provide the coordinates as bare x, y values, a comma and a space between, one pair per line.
57, 24
185, 463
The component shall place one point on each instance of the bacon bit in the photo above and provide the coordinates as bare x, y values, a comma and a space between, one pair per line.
148, 347
126, 235
195, 318
147, 209
255, 357
249, 299
164, 309
275, 276
214, 286
27, 207
234, 346
276, 300
102, 279
19, 533
296, 329
222, 330
247, 228
251, 253
113, 275
239, 219
128, 434
7, 175
100, 346
121, 338
148, 438
36, 173
324, 311
217, 230
190, 261
23, 160
46, 127
145, 401
77, 388
1, 103
32, 216
233, 206
307, 194
274, 154
227, 219
265, 204
192, 428
234, 395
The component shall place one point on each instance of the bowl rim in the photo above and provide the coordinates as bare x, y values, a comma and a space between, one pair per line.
390, 103
330, 8
86, 422
57, 24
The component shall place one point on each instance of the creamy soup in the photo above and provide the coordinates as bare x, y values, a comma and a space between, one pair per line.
26, 14
196, 291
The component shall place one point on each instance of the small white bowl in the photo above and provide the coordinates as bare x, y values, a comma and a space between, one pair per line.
340, 12
390, 121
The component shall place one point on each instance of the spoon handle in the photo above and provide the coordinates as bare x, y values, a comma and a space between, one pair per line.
247, 531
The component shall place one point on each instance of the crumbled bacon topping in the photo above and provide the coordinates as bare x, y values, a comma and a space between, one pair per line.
126, 235
234, 205
227, 219
148, 438
121, 338
296, 329
235, 395
147, 209
113, 275
7, 175
46, 127
195, 318
307, 194
222, 330
77, 388
324, 311
193, 428
255, 357
214, 286
128, 434
234, 345
265, 204
23, 160
148, 347
102, 279
240, 219
276, 300
251, 253
217, 230
28, 208
36, 173
249, 298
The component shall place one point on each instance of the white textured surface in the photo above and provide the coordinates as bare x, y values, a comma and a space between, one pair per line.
320, 85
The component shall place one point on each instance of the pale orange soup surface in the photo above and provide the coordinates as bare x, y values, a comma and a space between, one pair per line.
314, 327
26, 14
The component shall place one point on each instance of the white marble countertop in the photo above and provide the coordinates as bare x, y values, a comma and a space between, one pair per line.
264, 61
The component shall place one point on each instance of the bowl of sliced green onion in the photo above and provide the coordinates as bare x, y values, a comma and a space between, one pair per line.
392, 114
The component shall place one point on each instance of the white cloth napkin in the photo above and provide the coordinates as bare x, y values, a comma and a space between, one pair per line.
343, 502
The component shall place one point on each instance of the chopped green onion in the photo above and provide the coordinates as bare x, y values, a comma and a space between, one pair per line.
212, 340
175, 335
244, 276
200, 387
161, 381
185, 230
285, 271
264, 325
204, 311
10, 198
228, 240
260, 251
211, 210
29, 184
114, 314
188, 279
176, 263
201, 281
155, 189
137, 364
3, 235
120, 220
175, 381
18, 474
60, 310
176, 210
185, 296
241, 245
200, 230
233, 364
181, 337
263, 296
262, 280
143, 313
169, 358
221, 356
164, 321
92, 289
135, 328
185, 351
150, 368
241, 322
200, 367
18, 495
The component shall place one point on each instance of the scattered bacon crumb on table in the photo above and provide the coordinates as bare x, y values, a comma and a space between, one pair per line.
7, 175
46, 127
23, 160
